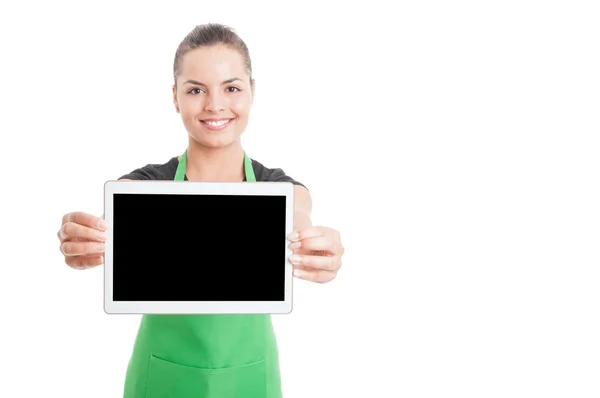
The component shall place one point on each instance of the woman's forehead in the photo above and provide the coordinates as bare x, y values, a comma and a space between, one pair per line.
214, 62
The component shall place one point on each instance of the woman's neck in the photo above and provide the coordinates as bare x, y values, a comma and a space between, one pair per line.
215, 164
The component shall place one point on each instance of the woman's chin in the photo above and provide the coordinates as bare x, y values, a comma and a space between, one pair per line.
214, 142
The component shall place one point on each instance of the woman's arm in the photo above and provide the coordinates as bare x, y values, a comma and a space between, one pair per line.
302, 208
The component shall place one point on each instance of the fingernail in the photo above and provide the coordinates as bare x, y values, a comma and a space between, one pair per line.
100, 247
292, 236
102, 236
297, 273
295, 259
102, 225
295, 245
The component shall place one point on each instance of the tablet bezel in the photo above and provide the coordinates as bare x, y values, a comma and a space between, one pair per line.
259, 188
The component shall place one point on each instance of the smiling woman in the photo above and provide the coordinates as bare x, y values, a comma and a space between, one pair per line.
208, 356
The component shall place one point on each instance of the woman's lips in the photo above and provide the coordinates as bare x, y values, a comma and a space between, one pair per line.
216, 124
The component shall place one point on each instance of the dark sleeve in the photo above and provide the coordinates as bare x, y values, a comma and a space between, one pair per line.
278, 175
148, 172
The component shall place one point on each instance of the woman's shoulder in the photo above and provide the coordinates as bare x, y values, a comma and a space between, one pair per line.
264, 173
154, 171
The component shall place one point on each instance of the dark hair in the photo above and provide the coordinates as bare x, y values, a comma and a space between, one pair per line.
209, 35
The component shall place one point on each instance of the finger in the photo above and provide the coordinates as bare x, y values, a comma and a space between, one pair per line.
309, 232
71, 230
319, 276
324, 243
84, 262
82, 248
328, 263
85, 219
295, 245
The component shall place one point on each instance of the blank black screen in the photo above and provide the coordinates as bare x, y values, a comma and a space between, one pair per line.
199, 247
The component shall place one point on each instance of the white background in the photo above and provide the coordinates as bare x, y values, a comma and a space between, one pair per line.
453, 144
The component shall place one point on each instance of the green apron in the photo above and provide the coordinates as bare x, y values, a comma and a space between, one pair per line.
205, 355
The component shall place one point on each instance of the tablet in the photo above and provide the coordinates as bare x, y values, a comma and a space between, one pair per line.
183, 247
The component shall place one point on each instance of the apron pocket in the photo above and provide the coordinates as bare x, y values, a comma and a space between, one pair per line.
170, 380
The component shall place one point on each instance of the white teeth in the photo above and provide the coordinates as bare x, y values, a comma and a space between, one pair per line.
217, 123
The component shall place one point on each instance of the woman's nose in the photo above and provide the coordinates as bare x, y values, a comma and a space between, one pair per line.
215, 102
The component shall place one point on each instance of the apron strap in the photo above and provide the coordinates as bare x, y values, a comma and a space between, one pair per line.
248, 169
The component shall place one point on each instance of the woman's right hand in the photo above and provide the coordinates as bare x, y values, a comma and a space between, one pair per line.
82, 238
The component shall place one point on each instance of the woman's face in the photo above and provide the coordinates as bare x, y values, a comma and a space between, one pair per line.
214, 95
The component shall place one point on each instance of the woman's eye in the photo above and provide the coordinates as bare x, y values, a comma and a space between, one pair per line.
233, 89
195, 91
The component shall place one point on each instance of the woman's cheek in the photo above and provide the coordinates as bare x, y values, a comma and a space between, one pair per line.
193, 104
241, 107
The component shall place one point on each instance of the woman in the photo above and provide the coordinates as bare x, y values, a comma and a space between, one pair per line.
210, 355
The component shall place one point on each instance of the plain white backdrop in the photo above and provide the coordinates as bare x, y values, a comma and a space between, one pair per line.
453, 144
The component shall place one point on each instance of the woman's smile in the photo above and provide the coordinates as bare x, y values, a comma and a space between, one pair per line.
217, 124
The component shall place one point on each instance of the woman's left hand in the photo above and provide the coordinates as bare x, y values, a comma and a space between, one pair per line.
317, 254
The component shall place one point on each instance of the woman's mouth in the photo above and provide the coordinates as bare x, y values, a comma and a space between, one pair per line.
216, 124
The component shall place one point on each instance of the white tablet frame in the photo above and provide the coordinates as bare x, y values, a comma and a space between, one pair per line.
196, 188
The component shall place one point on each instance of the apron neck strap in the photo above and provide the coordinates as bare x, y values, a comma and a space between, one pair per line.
248, 169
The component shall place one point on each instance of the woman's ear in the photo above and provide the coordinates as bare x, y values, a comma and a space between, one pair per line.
252, 89
175, 102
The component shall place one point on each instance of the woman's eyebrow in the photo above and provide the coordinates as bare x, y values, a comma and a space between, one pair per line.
202, 84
